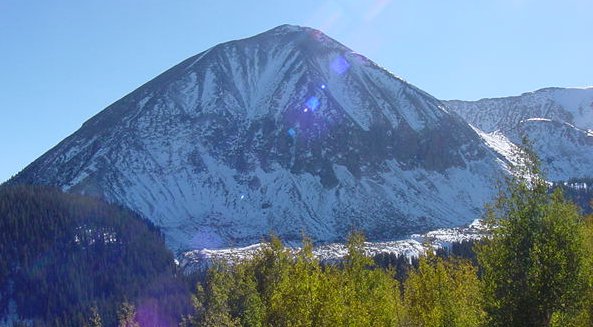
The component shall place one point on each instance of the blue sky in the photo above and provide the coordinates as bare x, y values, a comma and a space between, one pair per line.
63, 61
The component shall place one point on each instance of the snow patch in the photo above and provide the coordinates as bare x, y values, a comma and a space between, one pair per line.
412, 247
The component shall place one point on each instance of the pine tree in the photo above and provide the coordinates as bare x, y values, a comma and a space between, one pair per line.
126, 315
95, 318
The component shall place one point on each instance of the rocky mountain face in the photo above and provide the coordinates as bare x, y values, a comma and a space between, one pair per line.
287, 132
559, 123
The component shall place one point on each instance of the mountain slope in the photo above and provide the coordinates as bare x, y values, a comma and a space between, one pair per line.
63, 254
288, 131
558, 121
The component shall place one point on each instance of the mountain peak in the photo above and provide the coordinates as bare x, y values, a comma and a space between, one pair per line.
288, 28
288, 131
300, 37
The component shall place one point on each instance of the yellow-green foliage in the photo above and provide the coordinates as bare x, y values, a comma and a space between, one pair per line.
588, 239
371, 295
585, 316
278, 288
534, 264
536, 270
443, 293
298, 291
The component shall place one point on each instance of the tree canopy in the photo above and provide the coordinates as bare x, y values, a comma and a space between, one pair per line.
533, 264
68, 257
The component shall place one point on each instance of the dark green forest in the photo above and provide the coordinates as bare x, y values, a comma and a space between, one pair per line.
65, 257
70, 260
580, 191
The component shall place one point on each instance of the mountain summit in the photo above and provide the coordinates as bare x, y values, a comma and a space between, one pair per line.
287, 132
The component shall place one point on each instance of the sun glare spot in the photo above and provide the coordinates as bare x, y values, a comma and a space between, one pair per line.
312, 103
291, 132
340, 65
376, 9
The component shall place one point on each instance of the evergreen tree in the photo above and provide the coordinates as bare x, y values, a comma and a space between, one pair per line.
587, 314
126, 315
95, 318
62, 253
198, 299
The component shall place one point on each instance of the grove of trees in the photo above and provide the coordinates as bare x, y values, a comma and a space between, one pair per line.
535, 265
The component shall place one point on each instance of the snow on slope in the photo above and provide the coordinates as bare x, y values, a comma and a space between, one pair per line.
288, 132
502, 145
557, 121
411, 247
570, 105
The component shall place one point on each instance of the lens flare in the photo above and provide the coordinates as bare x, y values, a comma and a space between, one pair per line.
376, 9
291, 132
340, 65
312, 103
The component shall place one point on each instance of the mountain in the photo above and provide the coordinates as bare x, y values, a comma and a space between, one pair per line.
288, 132
558, 121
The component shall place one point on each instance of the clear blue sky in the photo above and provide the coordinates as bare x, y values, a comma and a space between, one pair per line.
61, 62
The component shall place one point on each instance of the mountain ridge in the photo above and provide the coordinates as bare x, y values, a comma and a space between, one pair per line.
277, 133
558, 121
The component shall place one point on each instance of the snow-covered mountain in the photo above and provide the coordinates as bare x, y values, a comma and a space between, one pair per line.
558, 121
288, 132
